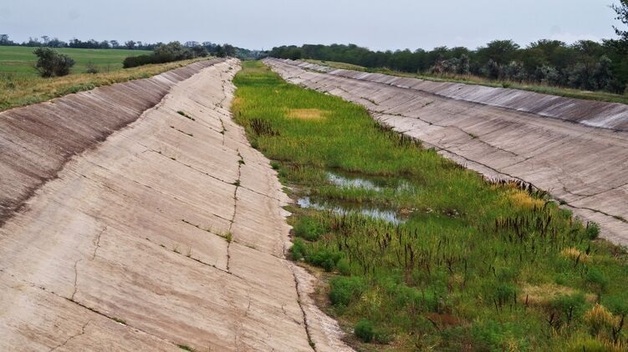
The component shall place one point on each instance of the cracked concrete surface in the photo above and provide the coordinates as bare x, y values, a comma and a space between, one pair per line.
168, 232
574, 149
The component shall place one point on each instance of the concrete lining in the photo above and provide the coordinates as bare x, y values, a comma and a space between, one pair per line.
137, 217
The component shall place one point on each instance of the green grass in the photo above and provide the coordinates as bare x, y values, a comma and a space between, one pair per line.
476, 266
20, 84
20, 61
470, 79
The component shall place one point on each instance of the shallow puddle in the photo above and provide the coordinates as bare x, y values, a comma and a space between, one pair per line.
376, 184
345, 209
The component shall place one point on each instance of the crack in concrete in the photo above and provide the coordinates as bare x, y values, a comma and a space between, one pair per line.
300, 303
213, 266
97, 244
116, 320
93, 310
187, 165
75, 279
237, 184
72, 337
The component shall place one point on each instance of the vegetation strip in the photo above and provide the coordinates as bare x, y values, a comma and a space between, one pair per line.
473, 266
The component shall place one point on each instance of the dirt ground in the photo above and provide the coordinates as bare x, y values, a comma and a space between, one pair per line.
574, 149
163, 235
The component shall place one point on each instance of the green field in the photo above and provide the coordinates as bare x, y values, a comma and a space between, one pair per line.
21, 61
419, 254
21, 85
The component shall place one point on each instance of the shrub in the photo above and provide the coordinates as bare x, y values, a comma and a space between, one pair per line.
309, 229
592, 230
298, 250
364, 330
51, 63
91, 68
324, 258
568, 307
344, 290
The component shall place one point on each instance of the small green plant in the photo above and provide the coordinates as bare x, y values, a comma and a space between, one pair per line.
182, 113
185, 347
592, 230
229, 237
118, 320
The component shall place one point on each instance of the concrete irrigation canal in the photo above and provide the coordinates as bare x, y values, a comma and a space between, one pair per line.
575, 149
137, 217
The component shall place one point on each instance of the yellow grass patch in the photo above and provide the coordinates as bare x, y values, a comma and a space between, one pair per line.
522, 199
575, 254
599, 317
307, 114
544, 294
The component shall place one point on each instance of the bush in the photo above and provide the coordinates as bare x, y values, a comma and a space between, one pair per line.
364, 330
592, 230
344, 290
298, 250
51, 63
324, 258
568, 306
309, 229
91, 68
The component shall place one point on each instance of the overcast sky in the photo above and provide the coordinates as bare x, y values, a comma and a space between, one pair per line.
263, 24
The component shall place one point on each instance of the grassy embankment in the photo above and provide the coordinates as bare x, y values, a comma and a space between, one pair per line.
470, 79
20, 84
472, 265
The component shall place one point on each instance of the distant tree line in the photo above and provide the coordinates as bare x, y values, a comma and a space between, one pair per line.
197, 49
52, 42
585, 64
175, 51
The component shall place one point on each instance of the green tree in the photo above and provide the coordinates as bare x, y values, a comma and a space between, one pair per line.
51, 63
622, 15
500, 51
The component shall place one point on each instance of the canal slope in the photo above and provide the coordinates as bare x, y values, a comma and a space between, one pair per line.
137, 217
